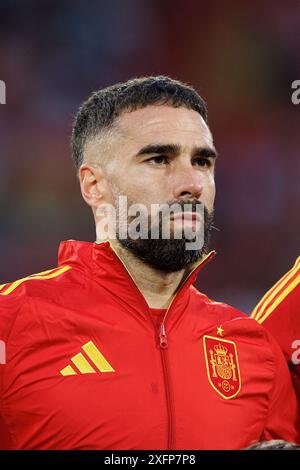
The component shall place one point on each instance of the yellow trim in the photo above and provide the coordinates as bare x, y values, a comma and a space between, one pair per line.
68, 371
207, 365
97, 358
280, 299
33, 277
184, 282
258, 311
43, 273
82, 364
195, 266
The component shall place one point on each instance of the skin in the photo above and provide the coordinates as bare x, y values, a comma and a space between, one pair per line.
112, 163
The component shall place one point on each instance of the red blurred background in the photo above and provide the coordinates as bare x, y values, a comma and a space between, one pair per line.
242, 57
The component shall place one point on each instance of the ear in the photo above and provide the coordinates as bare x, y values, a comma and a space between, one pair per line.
93, 185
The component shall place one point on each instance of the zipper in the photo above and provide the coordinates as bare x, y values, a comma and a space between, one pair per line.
163, 340
169, 400
163, 343
163, 346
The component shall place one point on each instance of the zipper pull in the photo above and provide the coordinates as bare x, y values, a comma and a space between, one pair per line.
163, 337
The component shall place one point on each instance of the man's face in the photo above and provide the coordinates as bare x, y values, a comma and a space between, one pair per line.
162, 155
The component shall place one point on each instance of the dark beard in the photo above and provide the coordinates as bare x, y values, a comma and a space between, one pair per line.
168, 255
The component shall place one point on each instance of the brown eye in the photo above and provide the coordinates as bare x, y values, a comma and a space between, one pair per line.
159, 159
203, 162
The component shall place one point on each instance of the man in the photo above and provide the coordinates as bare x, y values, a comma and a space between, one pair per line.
115, 349
279, 312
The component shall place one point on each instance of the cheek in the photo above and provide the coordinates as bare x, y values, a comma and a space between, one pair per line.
143, 188
210, 193
135, 191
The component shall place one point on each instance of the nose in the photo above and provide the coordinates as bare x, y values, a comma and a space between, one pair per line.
188, 184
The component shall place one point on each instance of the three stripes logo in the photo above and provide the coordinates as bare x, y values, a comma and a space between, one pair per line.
97, 362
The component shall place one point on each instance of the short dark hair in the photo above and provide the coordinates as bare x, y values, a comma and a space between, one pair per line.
277, 444
104, 106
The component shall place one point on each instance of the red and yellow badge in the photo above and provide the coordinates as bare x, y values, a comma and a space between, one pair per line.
222, 366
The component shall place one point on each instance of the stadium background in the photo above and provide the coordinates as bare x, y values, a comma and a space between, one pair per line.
241, 56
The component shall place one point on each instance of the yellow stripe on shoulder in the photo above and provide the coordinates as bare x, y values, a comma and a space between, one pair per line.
283, 282
44, 275
280, 299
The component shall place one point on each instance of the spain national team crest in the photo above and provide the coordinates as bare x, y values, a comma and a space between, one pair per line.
222, 366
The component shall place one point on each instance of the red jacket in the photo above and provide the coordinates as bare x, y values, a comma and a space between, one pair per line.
90, 366
279, 312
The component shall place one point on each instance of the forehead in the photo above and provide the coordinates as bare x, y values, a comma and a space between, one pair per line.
165, 124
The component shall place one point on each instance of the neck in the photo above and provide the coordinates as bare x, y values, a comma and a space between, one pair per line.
157, 287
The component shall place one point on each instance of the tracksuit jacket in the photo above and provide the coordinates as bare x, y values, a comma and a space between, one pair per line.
279, 312
86, 364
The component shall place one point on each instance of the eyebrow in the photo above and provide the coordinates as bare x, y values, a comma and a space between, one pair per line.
174, 149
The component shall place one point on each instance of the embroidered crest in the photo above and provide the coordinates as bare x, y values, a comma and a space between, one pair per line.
222, 366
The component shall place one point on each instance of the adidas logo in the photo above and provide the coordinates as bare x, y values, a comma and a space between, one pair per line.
84, 366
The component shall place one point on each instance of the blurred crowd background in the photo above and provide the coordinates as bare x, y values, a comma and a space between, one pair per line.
241, 56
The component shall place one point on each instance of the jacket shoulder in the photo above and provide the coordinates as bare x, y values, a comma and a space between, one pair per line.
34, 284
15, 296
236, 322
221, 309
283, 297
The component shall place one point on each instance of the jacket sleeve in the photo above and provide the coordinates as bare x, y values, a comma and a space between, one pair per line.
278, 310
9, 308
283, 421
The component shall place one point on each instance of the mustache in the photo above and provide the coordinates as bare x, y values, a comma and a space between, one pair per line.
180, 206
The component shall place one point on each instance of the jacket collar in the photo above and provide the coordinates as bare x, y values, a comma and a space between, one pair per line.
101, 263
